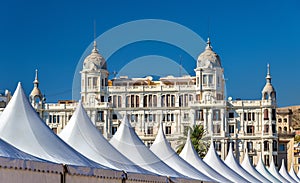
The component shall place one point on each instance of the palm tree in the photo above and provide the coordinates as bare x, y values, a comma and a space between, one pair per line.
201, 145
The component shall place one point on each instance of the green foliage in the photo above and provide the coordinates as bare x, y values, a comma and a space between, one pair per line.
197, 132
297, 139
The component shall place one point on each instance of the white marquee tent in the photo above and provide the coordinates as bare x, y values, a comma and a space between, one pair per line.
231, 162
189, 154
260, 167
293, 174
272, 169
21, 126
129, 144
162, 149
250, 169
283, 172
82, 135
213, 160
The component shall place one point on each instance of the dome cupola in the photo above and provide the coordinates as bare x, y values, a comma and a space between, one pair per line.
208, 58
94, 61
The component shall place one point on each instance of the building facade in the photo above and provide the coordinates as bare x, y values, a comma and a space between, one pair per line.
178, 102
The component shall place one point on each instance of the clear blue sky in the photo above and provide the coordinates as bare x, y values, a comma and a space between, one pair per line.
52, 35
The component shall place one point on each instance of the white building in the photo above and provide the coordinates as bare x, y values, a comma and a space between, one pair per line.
178, 102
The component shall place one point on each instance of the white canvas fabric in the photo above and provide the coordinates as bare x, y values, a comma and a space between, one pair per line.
250, 169
9, 151
83, 136
21, 126
213, 160
283, 172
260, 167
162, 149
189, 154
293, 173
129, 144
231, 162
272, 169
298, 174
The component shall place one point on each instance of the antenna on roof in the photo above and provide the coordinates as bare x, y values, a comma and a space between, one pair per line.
180, 66
94, 30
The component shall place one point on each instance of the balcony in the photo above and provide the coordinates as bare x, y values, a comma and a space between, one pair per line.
285, 134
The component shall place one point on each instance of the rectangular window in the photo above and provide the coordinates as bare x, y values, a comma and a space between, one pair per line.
250, 130
253, 116
199, 115
168, 130
231, 128
281, 147
245, 116
249, 116
232, 146
54, 118
267, 160
100, 116
50, 118
250, 146
266, 145
266, 128
216, 128
273, 128
150, 130
204, 80
273, 114
216, 115
218, 145
186, 116
210, 79
114, 130
231, 115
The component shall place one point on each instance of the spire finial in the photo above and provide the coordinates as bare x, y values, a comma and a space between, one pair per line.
95, 50
36, 80
208, 46
36, 74
268, 78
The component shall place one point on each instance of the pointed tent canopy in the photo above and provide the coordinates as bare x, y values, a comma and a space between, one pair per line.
283, 172
272, 169
189, 154
250, 169
262, 170
20, 123
129, 144
82, 135
231, 162
293, 173
164, 151
213, 160
9, 151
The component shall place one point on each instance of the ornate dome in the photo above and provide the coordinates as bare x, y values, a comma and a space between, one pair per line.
36, 91
208, 58
94, 61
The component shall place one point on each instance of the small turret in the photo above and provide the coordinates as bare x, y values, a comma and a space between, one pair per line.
268, 92
36, 97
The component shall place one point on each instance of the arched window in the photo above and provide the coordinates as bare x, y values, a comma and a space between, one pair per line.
279, 130
285, 129
265, 96
273, 95
266, 114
